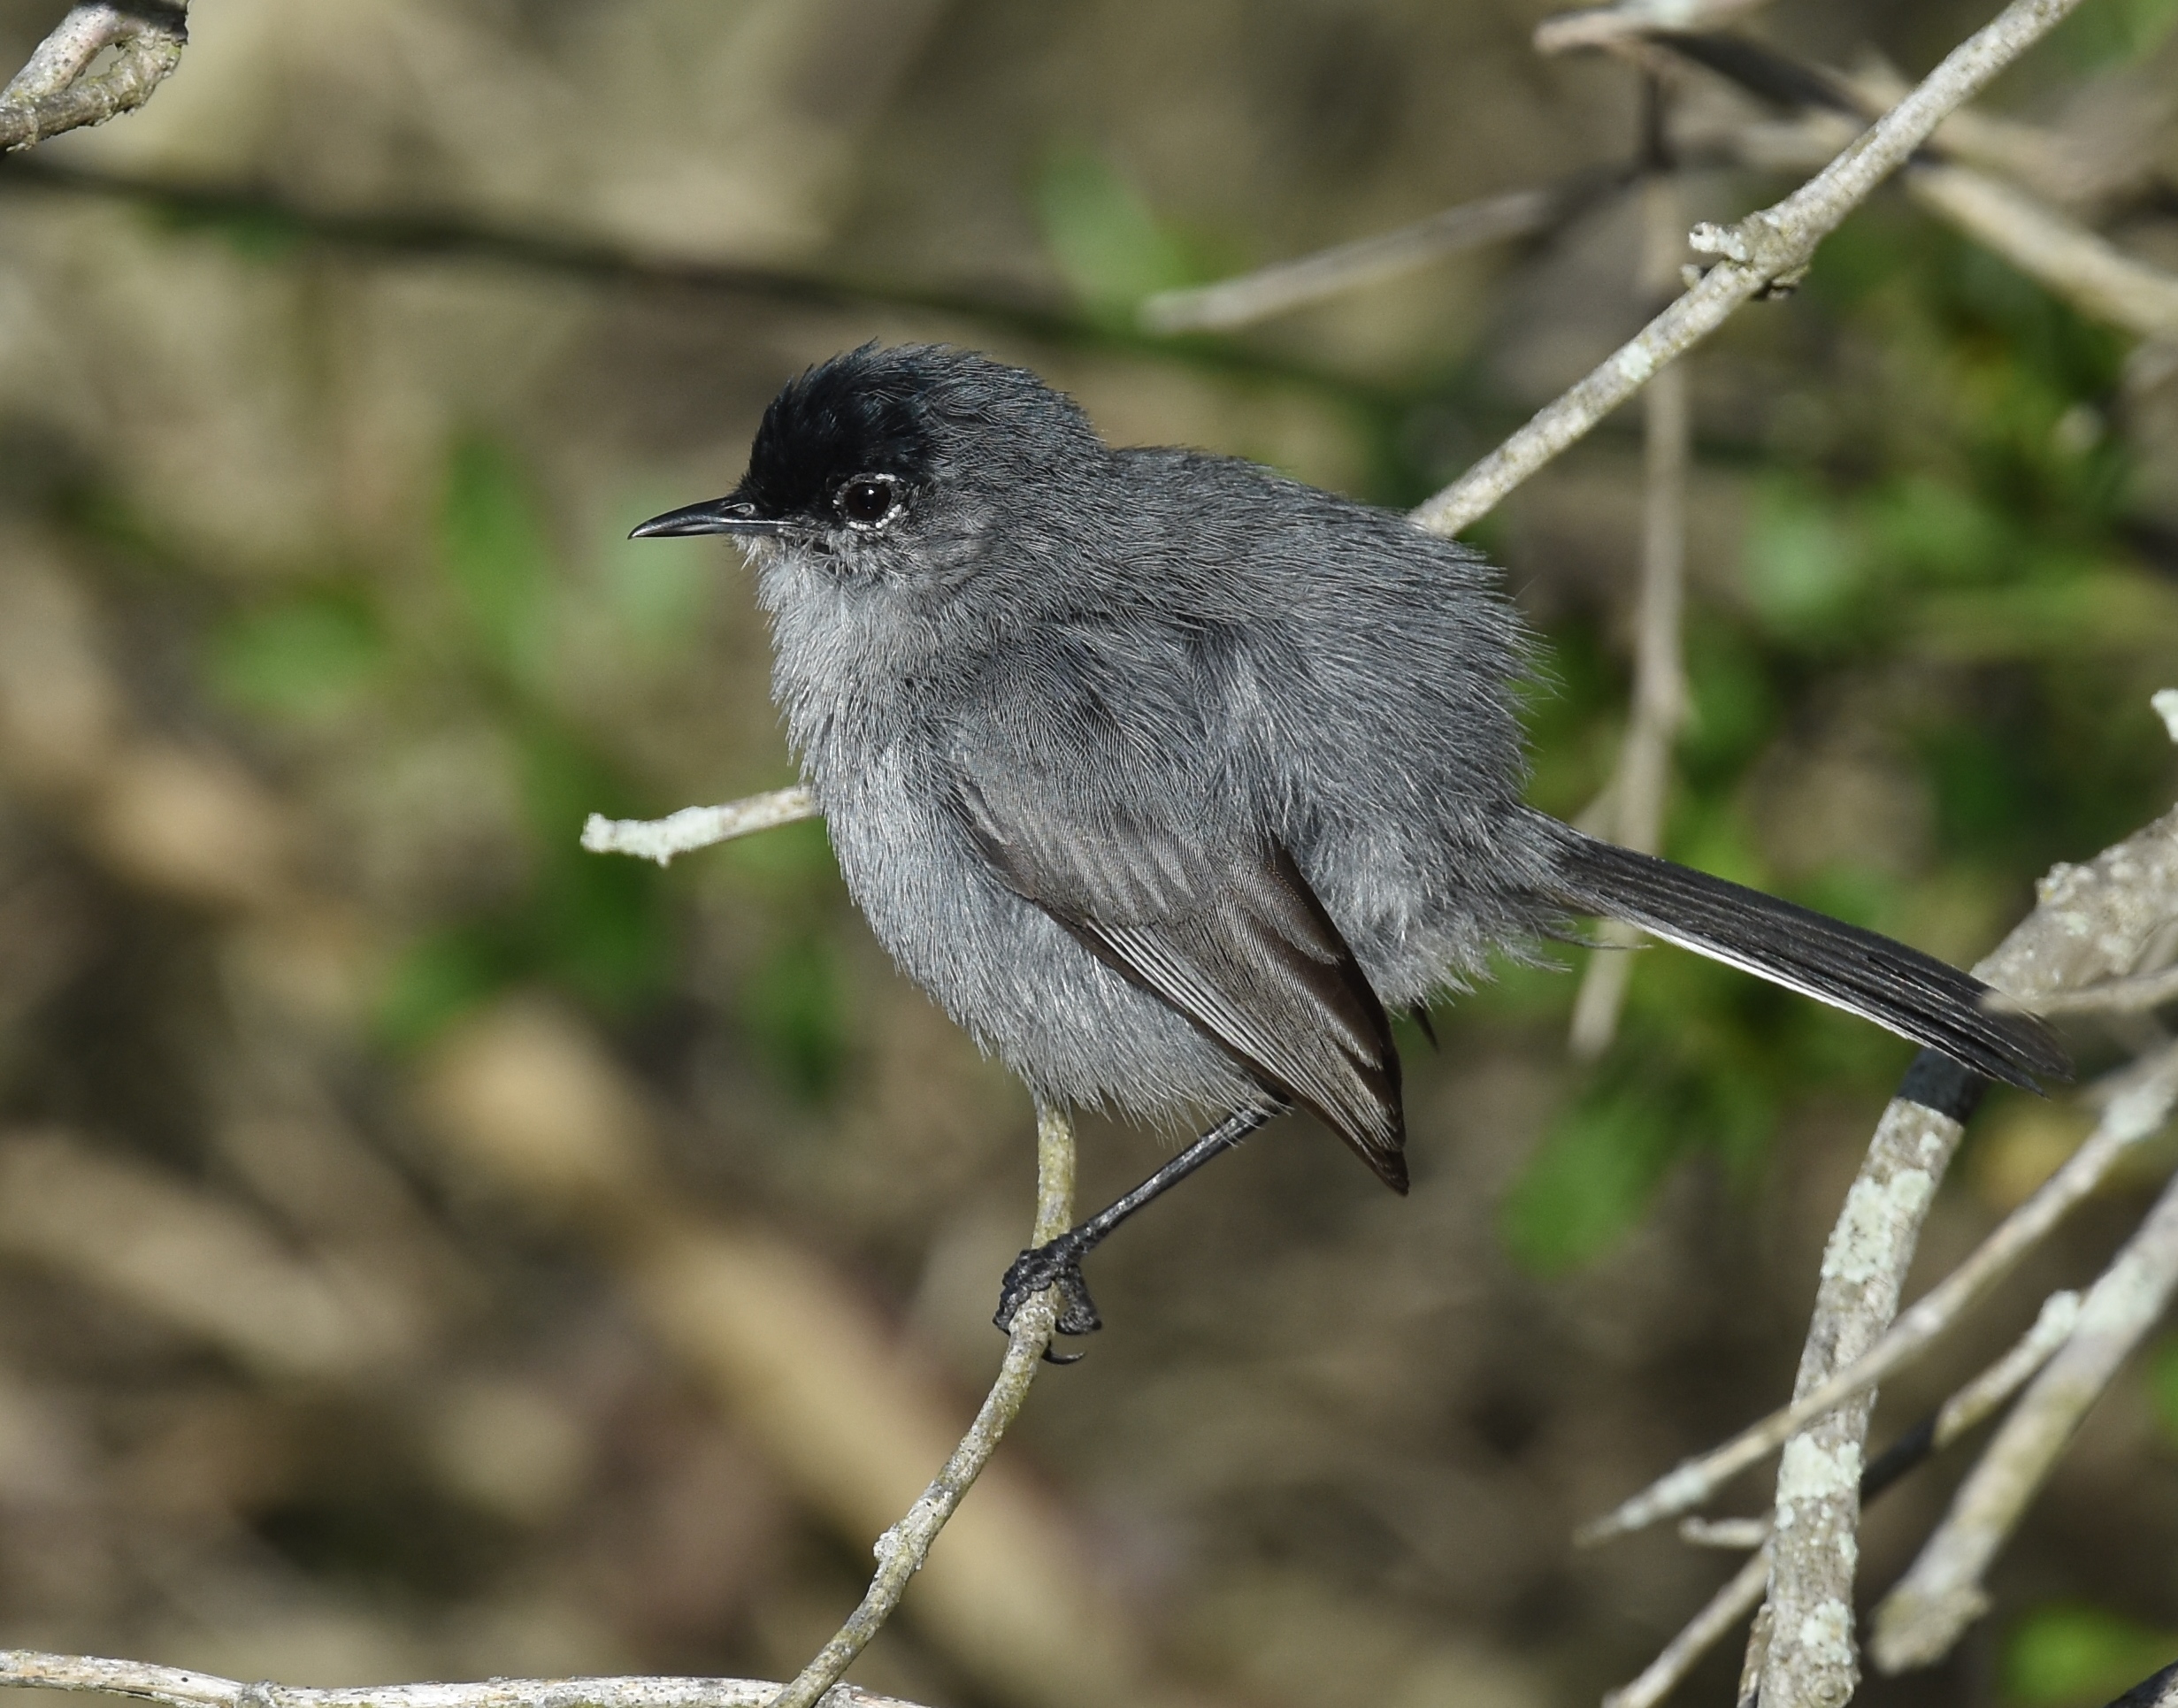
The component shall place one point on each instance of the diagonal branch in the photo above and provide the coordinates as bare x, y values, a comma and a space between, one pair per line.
1286, 286
1941, 1594
1957, 1415
1765, 250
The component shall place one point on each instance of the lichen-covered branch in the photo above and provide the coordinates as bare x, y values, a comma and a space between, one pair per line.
1732, 1602
58, 91
901, 1549
1763, 249
1810, 1660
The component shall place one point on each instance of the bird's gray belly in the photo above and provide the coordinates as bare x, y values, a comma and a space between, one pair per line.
1008, 972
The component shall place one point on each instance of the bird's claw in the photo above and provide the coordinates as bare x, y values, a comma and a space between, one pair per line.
1057, 1265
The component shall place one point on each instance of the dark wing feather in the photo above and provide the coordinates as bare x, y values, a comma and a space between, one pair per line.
1232, 938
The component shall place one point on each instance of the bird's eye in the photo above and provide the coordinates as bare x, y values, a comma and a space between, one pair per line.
870, 499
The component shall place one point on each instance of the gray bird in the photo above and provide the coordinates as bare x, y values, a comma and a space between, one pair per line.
1168, 775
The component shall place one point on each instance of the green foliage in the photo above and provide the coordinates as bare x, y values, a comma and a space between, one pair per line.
794, 1008
2074, 1656
2096, 37
493, 541
438, 978
1110, 246
2163, 1388
1612, 1145
305, 658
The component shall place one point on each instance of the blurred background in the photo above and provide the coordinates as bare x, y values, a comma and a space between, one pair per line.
428, 1250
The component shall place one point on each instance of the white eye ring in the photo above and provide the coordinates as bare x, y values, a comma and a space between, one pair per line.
869, 502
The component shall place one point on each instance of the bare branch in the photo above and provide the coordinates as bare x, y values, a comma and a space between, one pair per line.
695, 827
1810, 1661
901, 1549
1917, 1623
1604, 27
1288, 284
1703, 1633
1960, 1412
1763, 249
2089, 270
55, 91
2141, 1103
179, 1688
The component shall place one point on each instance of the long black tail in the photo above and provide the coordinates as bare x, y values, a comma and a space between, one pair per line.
1899, 988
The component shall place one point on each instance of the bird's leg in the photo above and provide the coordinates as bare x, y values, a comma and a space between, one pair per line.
1058, 1264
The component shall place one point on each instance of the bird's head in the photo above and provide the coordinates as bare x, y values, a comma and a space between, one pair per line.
893, 464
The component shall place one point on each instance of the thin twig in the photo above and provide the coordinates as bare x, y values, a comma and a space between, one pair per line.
56, 92
1959, 1413
178, 1688
1917, 1623
2141, 1103
2088, 270
696, 827
412, 235
2095, 275
901, 1549
1643, 780
1762, 250
1286, 286
1703, 1632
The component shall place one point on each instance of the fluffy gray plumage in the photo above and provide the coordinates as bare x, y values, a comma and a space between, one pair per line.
1165, 774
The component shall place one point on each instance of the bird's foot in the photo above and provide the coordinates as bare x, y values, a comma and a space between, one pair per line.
1056, 1264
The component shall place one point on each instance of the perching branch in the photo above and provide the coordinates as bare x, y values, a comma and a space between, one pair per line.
178, 1688
901, 1549
1766, 249
57, 90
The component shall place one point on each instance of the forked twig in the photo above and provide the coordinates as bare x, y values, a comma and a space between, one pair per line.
1758, 252
1733, 1602
2139, 1107
56, 91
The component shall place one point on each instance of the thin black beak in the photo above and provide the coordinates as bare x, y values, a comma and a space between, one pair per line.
727, 514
